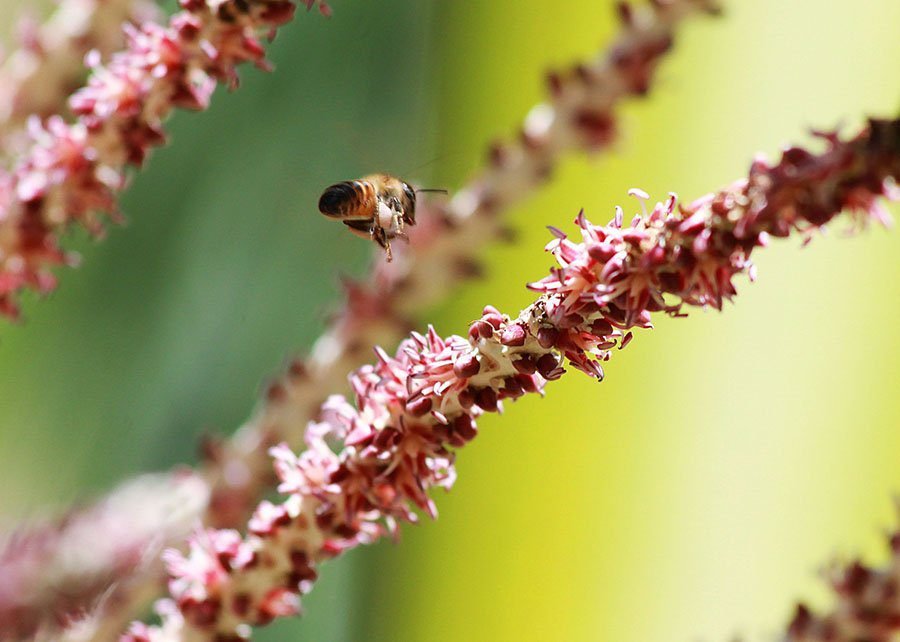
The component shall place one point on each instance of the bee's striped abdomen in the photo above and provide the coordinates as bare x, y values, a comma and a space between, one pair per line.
349, 200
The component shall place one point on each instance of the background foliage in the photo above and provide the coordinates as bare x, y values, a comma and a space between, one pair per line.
691, 495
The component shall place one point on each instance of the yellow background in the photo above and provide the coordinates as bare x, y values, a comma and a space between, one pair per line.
692, 495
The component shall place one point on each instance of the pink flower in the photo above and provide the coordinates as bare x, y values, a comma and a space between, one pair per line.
72, 172
309, 473
197, 576
169, 631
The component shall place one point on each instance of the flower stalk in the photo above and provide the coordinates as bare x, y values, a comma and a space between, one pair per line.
369, 465
37, 78
73, 172
380, 311
60, 569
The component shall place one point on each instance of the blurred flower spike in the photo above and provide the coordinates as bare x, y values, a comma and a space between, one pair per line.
74, 171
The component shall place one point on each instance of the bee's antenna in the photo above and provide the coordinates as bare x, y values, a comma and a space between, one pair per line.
433, 189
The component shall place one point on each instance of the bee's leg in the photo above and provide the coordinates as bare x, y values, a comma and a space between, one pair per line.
398, 220
380, 237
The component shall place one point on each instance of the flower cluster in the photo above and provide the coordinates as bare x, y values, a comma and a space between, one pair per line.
411, 410
380, 311
370, 465
690, 256
866, 608
37, 78
72, 172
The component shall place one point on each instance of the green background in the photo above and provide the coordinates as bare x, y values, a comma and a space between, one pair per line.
692, 495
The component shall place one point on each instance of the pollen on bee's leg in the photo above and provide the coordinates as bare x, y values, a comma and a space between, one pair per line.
385, 216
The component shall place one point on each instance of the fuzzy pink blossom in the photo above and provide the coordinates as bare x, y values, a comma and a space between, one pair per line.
38, 76
52, 573
73, 171
414, 409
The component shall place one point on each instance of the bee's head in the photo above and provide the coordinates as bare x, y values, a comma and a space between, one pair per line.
409, 197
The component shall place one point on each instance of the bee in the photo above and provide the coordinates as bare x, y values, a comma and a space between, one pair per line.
377, 207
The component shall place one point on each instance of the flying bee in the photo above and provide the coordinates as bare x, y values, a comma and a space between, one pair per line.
377, 207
